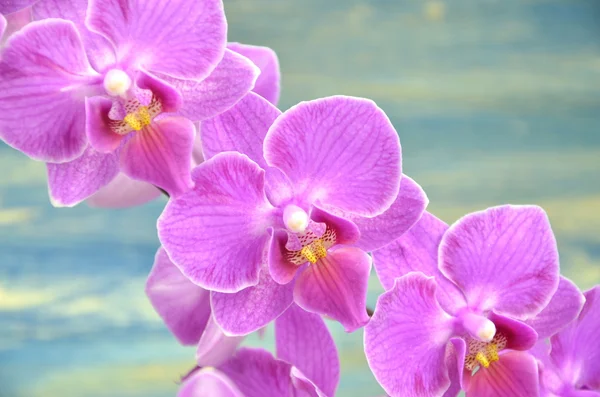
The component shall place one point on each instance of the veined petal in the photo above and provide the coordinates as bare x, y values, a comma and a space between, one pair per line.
185, 40
504, 258
183, 306
379, 231
252, 308
209, 382
575, 349
123, 192
258, 374
336, 286
304, 386
161, 154
564, 307
72, 182
515, 375
303, 340
10, 6
340, 151
44, 77
100, 51
405, 341
14, 22
242, 129
217, 232
268, 83
214, 347
233, 78
281, 269
417, 251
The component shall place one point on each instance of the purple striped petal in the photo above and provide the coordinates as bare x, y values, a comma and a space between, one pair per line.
515, 375
564, 307
99, 50
340, 151
575, 349
161, 154
405, 341
268, 83
209, 382
303, 340
258, 374
336, 286
504, 258
214, 347
183, 306
233, 78
406, 210
184, 40
252, 308
72, 182
44, 75
97, 125
123, 192
455, 361
217, 232
241, 129
417, 251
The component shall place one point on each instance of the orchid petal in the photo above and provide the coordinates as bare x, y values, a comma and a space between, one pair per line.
43, 75
3, 24
183, 306
10, 6
161, 154
258, 374
336, 286
504, 258
185, 40
564, 307
100, 51
209, 382
416, 251
379, 231
405, 341
123, 192
233, 78
303, 340
252, 308
515, 375
268, 83
304, 386
576, 348
197, 155
14, 22
242, 129
340, 151
214, 347
72, 182
217, 232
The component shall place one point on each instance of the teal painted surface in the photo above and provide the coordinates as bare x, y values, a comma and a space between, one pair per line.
494, 101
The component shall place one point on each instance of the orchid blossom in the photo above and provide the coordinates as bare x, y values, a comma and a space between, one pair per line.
274, 214
306, 363
569, 364
116, 71
460, 317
